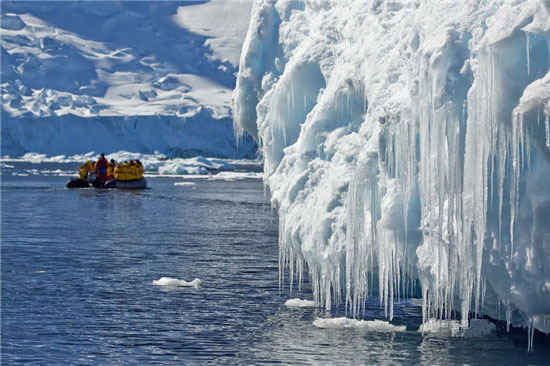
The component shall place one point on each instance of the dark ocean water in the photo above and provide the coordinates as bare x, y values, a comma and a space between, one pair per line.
77, 268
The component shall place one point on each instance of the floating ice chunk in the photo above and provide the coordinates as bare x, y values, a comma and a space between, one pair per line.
179, 168
194, 166
447, 327
185, 184
299, 303
174, 282
346, 323
453, 328
236, 175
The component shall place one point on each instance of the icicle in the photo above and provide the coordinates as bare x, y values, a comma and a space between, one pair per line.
528, 51
530, 335
508, 314
547, 128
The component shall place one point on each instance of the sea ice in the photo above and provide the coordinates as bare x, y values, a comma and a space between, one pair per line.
174, 282
299, 303
347, 323
453, 328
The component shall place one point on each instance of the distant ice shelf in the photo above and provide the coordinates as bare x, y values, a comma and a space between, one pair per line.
97, 75
407, 142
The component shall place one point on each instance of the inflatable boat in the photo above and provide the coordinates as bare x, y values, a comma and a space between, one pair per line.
77, 183
140, 183
126, 184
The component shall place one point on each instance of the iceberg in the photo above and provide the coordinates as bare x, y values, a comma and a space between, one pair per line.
407, 151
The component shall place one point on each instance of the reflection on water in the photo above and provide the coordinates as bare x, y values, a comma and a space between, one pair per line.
77, 269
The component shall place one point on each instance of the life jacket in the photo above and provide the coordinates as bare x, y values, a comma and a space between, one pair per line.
89, 166
83, 172
126, 171
101, 167
101, 163
111, 170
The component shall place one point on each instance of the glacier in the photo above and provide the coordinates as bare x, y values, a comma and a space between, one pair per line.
407, 151
117, 75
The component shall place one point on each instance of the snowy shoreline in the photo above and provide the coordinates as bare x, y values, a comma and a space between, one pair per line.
155, 165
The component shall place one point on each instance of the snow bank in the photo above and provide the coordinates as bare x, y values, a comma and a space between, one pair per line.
407, 140
346, 323
174, 282
299, 303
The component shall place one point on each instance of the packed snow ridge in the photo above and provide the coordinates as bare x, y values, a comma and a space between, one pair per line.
407, 142
118, 75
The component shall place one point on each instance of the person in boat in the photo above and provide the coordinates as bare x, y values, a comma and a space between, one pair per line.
139, 169
84, 169
111, 169
101, 168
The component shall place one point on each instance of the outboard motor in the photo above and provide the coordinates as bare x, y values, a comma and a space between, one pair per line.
94, 181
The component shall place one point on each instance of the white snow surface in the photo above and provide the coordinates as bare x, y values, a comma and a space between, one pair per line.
300, 303
112, 75
407, 140
174, 282
347, 323
222, 22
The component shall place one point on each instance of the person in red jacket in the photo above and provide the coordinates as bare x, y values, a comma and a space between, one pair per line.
101, 168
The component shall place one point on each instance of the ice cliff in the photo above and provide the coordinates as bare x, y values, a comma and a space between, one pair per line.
407, 142
117, 75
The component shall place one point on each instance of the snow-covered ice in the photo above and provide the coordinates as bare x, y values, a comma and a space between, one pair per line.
174, 282
198, 165
407, 140
300, 303
98, 75
222, 24
347, 323
453, 328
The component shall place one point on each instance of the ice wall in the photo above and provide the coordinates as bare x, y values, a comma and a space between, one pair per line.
405, 141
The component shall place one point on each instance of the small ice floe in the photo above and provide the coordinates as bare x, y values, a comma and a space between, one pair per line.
174, 282
185, 184
231, 176
194, 166
7, 166
299, 303
453, 328
347, 323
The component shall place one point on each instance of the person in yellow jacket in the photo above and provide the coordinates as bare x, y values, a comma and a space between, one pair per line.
139, 168
111, 169
84, 169
83, 172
